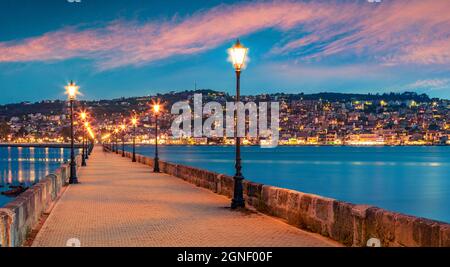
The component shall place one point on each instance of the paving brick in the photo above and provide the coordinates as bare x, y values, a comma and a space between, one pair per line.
120, 203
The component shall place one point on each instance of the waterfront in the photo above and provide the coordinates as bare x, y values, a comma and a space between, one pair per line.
410, 180
20, 165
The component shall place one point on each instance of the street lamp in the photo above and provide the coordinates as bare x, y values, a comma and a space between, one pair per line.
85, 137
238, 55
83, 117
156, 109
112, 141
134, 122
72, 91
116, 132
123, 127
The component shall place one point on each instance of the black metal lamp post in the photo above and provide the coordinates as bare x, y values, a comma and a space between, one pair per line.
72, 91
83, 116
134, 121
116, 131
156, 109
238, 54
88, 142
123, 128
87, 148
113, 141
84, 153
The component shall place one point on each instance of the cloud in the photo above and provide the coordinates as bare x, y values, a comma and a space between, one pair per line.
396, 32
431, 84
122, 43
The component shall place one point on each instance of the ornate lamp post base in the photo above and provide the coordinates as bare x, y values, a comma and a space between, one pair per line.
73, 179
156, 165
238, 199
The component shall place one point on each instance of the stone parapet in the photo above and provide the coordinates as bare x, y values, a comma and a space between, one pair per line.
20, 216
349, 224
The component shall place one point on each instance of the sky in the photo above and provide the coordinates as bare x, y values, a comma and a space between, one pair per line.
115, 48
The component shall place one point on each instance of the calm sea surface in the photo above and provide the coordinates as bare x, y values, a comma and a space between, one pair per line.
410, 180
27, 166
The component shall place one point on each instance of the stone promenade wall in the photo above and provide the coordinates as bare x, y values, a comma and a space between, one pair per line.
19, 217
349, 224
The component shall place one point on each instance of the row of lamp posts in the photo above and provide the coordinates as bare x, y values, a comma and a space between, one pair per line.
238, 55
72, 92
134, 122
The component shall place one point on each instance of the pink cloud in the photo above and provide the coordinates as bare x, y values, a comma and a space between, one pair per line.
393, 32
130, 43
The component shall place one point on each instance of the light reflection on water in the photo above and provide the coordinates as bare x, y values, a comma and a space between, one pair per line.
27, 165
411, 180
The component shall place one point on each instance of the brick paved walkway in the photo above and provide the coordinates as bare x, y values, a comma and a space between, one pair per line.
120, 203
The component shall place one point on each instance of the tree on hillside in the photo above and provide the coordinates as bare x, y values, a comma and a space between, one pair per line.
65, 133
5, 130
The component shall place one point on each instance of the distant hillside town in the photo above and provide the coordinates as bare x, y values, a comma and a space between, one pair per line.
305, 119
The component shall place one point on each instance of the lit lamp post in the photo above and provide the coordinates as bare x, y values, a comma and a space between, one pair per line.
85, 139
113, 136
134, 122
238, 54
123, 127
116, 132
88, 142
72, 91
156, 109
83, 116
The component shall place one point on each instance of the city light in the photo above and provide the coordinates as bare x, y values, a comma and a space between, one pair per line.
91, 133
106, 136
134, 121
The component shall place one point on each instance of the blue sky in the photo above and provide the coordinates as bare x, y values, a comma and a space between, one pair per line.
138, 47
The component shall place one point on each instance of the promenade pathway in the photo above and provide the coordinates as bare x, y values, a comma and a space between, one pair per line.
120, 203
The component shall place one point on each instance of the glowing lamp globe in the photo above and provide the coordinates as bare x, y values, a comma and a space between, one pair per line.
156, 108
238, 54
72, 90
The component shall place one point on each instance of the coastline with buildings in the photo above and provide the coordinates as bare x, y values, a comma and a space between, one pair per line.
406, 119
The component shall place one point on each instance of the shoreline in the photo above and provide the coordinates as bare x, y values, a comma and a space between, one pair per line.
65, 145
44, 145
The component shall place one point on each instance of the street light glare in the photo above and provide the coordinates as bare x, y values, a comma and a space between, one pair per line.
83, 115
156, 108
72, 90
238, 55
123, 127
134, 121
